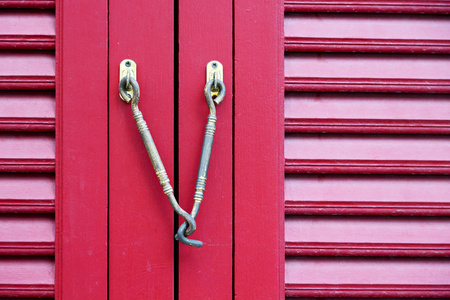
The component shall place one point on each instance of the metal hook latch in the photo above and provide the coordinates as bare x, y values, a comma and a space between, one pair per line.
129, 92
214, 70
128, 70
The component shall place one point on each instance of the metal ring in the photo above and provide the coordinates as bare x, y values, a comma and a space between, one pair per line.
183, 239
123, 90
219, 97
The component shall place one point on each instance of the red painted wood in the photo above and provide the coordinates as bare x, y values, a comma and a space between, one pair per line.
27, 145
27, 22
324, 166
359, 66
81, 150
27, 82
358, 217
41, 4
300, 44
379, 6
380, 106
27, 104
42, 42
366, 126
354, 270
367, 290
27, 186
40, 165
367, 249
27, 206
141, 234
207, 272
27, 290
379, 27
368, 230
367, 85
22, 273
27, 124
369, 147
27, 248
258, 156
27, 228
368, 189
367, 208
27, 63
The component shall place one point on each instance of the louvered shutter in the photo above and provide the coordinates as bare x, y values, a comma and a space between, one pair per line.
27, 148
367, 118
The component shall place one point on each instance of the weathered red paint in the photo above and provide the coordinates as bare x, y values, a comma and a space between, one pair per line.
372, 6
141, 262
365, 166
258, 150
81, 150
205, 33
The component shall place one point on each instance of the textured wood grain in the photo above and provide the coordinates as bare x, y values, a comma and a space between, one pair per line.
258, 156
215, 219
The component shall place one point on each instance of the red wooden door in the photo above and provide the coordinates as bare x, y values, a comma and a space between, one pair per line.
171, 44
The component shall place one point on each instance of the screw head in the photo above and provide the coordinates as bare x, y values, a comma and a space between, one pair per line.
127, 64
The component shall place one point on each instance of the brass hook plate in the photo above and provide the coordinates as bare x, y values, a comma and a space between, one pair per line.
125, 66
214, 67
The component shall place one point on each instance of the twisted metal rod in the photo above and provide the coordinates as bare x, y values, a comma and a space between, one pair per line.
189, 226
151, 148
183, 232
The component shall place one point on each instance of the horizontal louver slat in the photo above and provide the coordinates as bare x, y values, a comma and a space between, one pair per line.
27, 206
366, 85
27, 248
366, 126
358, 6
300, 44
27, 165
27, 124
27, 82
367, 208
34, 42
366, 249
39, 4
367, 290
27, 290
367, 167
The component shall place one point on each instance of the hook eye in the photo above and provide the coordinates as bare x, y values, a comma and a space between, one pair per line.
123, 89
183, 239
221, 87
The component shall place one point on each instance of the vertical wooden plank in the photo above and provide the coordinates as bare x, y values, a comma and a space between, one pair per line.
205, 34
82, 150
258, 157
141, 218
